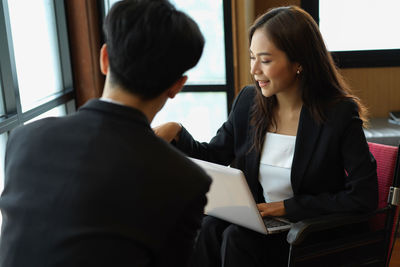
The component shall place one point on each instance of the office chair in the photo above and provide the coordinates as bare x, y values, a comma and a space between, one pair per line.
318, 242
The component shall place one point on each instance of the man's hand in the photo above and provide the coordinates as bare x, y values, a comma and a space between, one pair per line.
271, 209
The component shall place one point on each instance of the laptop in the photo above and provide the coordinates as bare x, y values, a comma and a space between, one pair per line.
230, 199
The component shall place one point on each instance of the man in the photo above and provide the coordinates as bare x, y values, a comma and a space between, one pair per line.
98, 188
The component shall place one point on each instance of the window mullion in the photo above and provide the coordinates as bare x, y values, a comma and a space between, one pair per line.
8, 70
63, 43
61, 98
230, 84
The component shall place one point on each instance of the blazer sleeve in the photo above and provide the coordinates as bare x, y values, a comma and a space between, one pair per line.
221, 148
359, 189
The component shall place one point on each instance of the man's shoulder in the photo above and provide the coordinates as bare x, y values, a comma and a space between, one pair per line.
178, 165
32, 127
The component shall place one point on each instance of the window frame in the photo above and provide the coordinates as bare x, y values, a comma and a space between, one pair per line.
228, 87
14, 116
356, 59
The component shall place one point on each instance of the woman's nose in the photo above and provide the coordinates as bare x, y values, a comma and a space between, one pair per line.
255, 68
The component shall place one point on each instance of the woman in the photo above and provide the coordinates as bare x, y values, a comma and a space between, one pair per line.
297, 135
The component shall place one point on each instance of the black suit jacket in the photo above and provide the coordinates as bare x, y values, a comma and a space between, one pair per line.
98, 188
324, 152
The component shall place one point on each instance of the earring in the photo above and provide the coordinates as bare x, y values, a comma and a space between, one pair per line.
298, 71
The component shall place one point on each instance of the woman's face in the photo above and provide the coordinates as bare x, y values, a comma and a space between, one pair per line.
270, 67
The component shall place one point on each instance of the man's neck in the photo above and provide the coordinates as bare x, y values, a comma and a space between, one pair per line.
121, 96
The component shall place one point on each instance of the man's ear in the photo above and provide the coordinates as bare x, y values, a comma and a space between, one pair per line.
104, 59
176, 87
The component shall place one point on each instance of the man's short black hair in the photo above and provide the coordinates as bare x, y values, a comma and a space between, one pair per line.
150, 45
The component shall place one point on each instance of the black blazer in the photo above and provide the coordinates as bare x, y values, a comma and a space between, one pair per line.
98, 188
323, 152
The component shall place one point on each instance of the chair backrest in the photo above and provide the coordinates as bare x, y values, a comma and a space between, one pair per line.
387, 161
385, 157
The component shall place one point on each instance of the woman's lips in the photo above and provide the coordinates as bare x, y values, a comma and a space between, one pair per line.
263, 83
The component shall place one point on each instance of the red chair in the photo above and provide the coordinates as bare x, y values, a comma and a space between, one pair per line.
366, 248
387, 159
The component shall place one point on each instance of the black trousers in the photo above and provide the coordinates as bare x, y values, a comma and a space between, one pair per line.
221, 243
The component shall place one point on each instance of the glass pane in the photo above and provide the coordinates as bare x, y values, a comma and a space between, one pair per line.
34, 34
363, 24
55, 112
209, 14
201, 113
3, 141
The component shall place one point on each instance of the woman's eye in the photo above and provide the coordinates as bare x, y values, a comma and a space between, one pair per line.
266, 61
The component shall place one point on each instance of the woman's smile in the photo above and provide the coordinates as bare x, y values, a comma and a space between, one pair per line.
263, 83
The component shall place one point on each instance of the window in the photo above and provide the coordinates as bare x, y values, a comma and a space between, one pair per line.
37, 62
359, 33
201, 113
210, 17
54, 112
203, 104
35, 71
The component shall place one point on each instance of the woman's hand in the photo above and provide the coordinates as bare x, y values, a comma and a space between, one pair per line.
168, 131
271, 209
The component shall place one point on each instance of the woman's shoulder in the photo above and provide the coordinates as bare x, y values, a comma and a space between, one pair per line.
245, 97
344, 107
247, 92
342, 111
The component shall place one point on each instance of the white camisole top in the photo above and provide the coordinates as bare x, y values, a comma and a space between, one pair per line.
276, 165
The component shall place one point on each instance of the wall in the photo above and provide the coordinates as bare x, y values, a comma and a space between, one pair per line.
378, 88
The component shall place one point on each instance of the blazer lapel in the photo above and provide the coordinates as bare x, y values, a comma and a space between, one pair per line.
253, 167
306, 139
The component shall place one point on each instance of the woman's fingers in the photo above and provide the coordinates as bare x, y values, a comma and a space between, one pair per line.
271, 209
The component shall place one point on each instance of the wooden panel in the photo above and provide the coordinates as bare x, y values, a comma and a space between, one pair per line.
84, 36
378, 88
261, 6
242, 16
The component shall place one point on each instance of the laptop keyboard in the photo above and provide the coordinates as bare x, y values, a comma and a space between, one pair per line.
270, 222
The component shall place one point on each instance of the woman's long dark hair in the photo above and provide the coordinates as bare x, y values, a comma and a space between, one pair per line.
295, 32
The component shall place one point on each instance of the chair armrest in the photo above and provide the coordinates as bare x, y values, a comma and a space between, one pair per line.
301, 229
